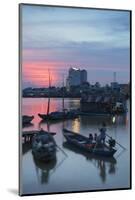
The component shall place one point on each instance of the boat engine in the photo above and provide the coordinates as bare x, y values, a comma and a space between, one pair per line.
112, 143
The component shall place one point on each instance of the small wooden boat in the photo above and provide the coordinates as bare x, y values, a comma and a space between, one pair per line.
44, 146
85, 144
57, 116
27, 125
27, 119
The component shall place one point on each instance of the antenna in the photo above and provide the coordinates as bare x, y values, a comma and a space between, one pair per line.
114, 76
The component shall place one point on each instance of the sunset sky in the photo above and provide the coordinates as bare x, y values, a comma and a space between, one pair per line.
59, 38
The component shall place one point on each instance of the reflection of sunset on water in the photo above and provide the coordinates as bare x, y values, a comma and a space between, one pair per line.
33, 107
103, 171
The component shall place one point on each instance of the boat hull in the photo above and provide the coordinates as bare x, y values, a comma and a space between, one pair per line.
44, 147
58, 117
27, 119
90, 148
87, 154
44, 156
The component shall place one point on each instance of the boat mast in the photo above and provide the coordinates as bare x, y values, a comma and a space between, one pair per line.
63, 96
48, 106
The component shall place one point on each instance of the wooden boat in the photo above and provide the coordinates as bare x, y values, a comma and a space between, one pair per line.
85, 144
26, 125
27, 119
44, 146
88, 155
35, 132
57, 116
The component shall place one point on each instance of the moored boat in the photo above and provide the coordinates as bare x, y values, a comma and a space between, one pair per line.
27, 119
44, 146
85, 144
56, 116
89, 156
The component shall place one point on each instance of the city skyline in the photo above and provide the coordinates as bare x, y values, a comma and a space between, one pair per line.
60, 38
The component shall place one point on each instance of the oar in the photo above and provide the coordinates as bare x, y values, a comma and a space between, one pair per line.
118, 143
62, 150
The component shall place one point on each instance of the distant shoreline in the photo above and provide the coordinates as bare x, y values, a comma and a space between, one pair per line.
51, 97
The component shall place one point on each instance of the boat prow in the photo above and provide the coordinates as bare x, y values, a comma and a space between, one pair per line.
44, 146
27, 119
59, 116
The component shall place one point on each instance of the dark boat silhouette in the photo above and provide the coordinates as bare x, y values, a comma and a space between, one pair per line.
44, 169
88, 156
84, 144
58, 115
44, 146
26, 125
27, 119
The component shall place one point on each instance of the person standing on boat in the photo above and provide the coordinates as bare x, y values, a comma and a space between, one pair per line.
90, 138
102, 135
95, 137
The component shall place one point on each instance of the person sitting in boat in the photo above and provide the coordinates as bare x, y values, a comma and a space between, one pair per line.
102, 135
90, 138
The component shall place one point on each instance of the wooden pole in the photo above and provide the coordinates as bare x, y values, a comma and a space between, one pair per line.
63, 96
62, 150
48, 106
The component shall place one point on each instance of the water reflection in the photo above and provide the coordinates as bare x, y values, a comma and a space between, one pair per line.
26, 147
94, 172
76, 125
33, 106
105, 165
74, 104
121, 120
44, 170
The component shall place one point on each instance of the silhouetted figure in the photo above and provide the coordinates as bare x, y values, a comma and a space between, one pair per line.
95, 137
102, 136
102, 171
90, 138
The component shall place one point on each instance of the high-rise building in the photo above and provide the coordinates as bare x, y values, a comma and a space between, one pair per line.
76, 77
83, 76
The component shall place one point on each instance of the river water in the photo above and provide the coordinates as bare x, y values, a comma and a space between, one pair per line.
74, 170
